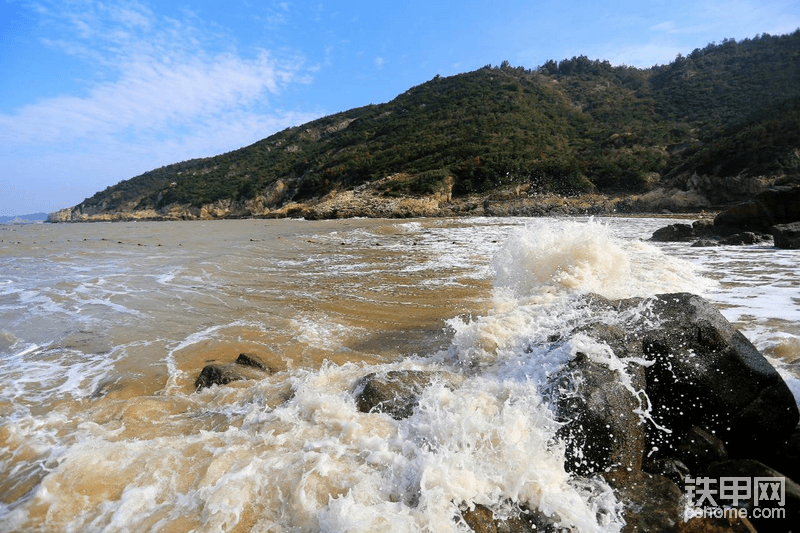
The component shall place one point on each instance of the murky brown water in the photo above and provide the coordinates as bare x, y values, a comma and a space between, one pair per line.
105, 327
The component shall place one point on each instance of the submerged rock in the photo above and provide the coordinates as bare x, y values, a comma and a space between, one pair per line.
249, 359
744, 238
396, 392
481, 519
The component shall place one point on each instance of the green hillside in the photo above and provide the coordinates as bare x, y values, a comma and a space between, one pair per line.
568, 127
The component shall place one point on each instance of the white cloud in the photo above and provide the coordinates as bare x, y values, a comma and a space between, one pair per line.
155, 74
151, 93
159, 90
380, 62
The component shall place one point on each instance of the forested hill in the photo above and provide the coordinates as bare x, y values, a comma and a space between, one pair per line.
567, 127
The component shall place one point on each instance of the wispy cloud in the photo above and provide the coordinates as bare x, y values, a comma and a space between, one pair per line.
164, 89
152, 93
161, 74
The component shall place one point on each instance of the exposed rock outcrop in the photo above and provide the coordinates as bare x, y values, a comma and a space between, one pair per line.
247, 366
771, 214
601, 426
778, 205
707, 374
787, 236
693, 394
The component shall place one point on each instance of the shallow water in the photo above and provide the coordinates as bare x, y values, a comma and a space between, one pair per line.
104, 328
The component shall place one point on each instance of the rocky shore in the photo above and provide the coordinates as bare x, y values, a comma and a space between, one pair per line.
694, 194
772, 216
687, 401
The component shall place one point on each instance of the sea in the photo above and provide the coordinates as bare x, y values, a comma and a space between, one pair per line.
104, 328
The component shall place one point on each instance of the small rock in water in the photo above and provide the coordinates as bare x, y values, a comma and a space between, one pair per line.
217, 375
247, 366
395, 393
249, 359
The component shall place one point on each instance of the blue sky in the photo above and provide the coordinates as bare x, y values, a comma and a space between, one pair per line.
96, 91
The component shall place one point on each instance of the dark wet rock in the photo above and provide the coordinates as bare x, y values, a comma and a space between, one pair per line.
249, 359
754, 472
744, 223
621, 342
698, 448
787, 236
481, 520
737, 239
744, 238
215, 374
682, 232
601, 427
704, 227
705, 243
778, 205
247, 366
106, 386
651, 502
671, 468
396, 392
786, 458
674, 233
706, 383
717, 525
706, 373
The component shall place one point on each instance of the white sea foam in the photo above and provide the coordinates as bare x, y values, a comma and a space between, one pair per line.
318, 331
292, 451
541, 270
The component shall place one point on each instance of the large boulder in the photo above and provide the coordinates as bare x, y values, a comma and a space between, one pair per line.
705, 373
601, 427
709, 390
679, 232
787, 236
778, 205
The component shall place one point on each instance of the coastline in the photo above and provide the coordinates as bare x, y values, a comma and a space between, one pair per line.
367, 203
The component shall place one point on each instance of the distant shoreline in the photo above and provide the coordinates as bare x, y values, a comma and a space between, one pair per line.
32, 217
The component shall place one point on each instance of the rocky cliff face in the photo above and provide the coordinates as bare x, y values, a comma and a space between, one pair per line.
370, 201
687, 194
